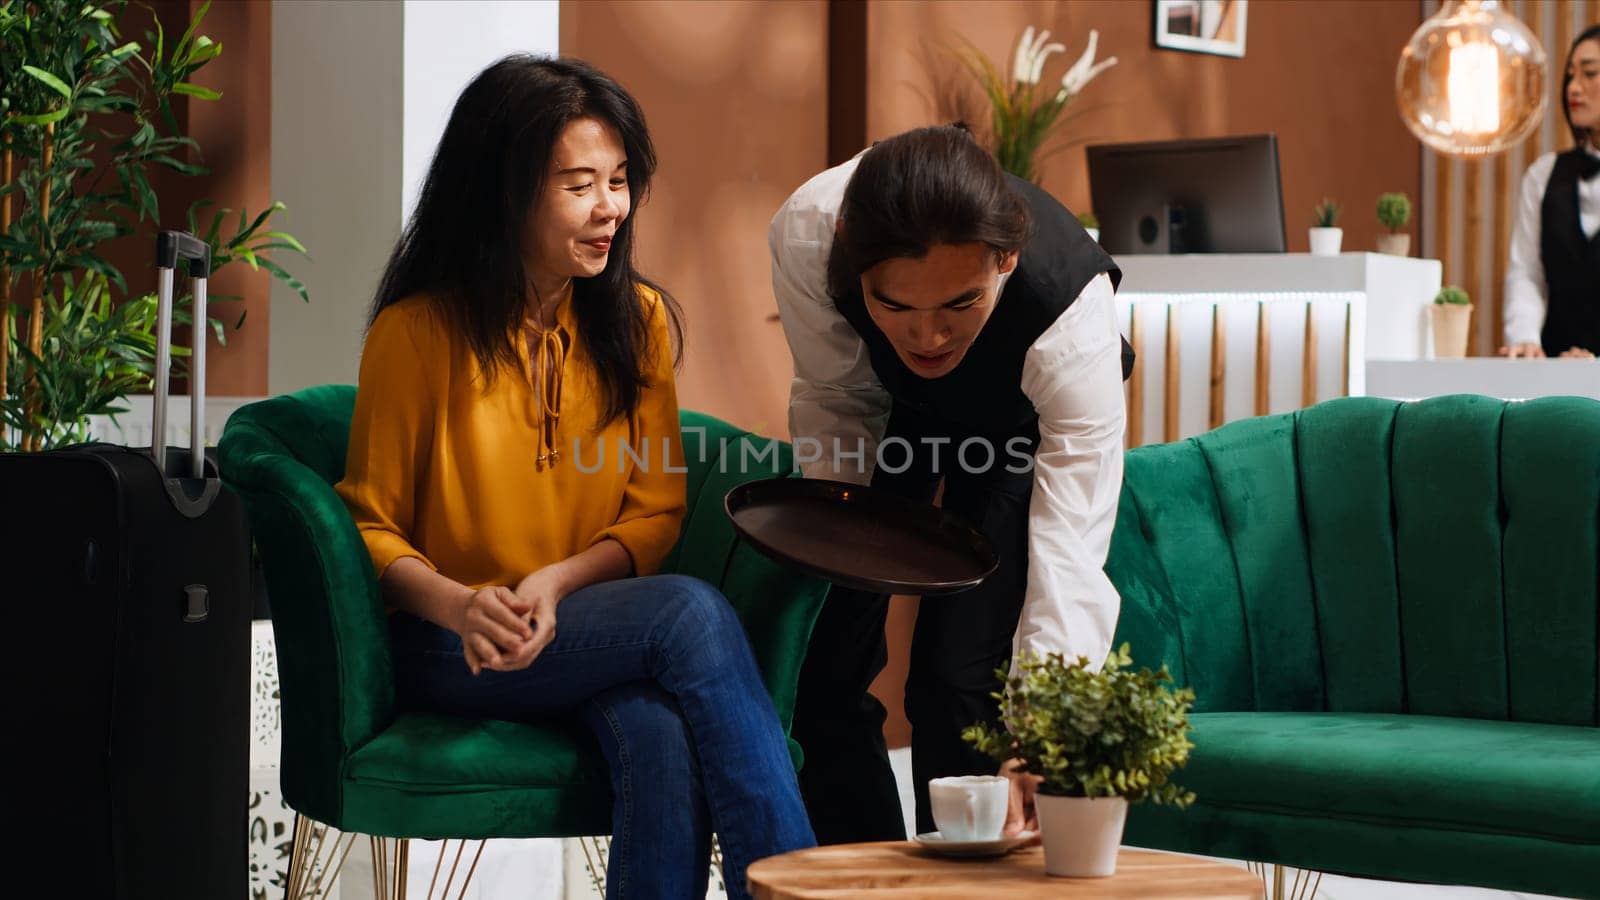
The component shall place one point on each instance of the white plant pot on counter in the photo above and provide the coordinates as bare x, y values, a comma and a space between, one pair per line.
1094, 234
1326, 241
1081, 834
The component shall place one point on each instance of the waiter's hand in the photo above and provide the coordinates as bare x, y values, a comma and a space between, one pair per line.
1020, 814
1576, 353
1522, 351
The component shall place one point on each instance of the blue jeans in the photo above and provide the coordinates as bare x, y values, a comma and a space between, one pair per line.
660, 670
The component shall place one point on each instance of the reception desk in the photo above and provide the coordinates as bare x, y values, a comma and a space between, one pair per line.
1227, 336
1508, 379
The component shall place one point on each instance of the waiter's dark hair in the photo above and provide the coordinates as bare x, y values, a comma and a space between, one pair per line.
1580, 136
928, 186
463, 246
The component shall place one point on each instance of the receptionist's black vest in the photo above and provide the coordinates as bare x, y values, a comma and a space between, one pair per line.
983, 394
1571, 261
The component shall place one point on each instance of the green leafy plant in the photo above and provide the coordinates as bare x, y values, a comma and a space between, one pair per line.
85, 115
1326, 214
1394, 211
92, 353
1088, 220
1111, 733
1022, 116
1450, 295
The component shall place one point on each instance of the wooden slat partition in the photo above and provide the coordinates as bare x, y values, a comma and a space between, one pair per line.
1502, 247
1136, 380
1443, 219
1532, 15
1263, 359
1308, 359
1471, 240
1556, 50
1344, 374
1184, 408
1219, 363
1172, 394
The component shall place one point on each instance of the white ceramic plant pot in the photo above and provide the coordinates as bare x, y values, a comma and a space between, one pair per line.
1094, 234
1325, 241
1081, 834
1395, 244
1450, 323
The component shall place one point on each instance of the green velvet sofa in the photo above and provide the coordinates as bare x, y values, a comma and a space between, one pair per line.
1388, 613
352, 760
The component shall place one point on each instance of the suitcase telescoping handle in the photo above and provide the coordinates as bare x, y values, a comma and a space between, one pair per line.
172, 246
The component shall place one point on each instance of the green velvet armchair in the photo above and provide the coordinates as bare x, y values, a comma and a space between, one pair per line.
350, 759
1388, 612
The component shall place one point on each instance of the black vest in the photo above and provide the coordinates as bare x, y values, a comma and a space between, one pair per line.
1571, 262
983, 394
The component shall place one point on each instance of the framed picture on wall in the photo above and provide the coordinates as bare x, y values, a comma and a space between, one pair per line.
1201, 26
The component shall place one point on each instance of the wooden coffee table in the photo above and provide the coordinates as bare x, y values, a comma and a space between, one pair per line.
904, 869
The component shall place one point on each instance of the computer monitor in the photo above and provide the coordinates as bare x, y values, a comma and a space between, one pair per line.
1216, 195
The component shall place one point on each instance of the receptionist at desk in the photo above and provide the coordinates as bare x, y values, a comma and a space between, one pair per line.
1552, 287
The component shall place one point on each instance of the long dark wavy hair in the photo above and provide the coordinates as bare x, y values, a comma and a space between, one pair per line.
1580, 136
463, 245
927, 186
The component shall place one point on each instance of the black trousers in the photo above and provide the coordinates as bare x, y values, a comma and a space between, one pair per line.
959, 642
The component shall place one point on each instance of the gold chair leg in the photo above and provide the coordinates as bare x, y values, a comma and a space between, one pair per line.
716, 862
1303, 886
595, 852
314, 859
318, 852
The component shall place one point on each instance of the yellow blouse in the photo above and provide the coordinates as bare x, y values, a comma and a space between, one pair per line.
488, 486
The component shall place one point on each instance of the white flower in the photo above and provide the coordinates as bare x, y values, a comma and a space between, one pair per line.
1028, 63
1084, 70
1019, 59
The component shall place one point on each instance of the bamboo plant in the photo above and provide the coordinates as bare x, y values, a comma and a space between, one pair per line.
85, 115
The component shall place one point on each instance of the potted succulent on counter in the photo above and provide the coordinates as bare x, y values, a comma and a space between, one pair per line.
1450, 317
1100, 740
1326, 235
1394, 213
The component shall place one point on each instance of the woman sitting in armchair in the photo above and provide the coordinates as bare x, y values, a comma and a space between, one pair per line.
512, 345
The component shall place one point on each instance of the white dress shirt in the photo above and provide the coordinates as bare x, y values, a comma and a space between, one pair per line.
1526, 291
1072, 373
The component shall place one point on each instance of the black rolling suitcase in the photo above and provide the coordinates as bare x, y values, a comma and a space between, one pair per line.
127, 584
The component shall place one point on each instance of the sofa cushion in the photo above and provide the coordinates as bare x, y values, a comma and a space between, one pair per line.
425, 752
1469, 775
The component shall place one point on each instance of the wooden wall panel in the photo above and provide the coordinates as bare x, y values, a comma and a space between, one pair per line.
1338, 134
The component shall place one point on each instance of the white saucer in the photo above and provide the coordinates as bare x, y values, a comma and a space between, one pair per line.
935, 842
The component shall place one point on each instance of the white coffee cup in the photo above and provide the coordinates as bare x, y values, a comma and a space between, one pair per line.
969, 807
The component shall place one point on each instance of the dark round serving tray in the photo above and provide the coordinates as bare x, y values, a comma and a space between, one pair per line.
857, 537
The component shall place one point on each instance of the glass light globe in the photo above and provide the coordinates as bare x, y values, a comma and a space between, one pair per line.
1472, 81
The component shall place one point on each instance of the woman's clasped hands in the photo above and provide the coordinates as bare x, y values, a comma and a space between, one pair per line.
504, 629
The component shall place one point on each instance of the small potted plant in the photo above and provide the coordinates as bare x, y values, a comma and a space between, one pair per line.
1326, 235
1394, 213
1090, 224
1099, 740
1450, 317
